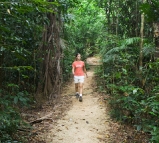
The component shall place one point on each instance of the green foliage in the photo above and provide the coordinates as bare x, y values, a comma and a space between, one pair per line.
150, 9
67, 63
21, 27
83, 34
9, 114
84, 28
132, 96
133, 100
133, 93
89, 27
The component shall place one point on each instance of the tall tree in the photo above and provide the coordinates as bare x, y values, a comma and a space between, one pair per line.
142, 41
51, 53
156, 36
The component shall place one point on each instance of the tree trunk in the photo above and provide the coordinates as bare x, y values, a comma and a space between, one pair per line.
156, 36
1, 70
136, 13
141, 42
51, 53
117, 18
141, 48
108, 13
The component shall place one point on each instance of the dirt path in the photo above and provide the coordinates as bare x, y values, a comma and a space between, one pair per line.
71, 121
85, 122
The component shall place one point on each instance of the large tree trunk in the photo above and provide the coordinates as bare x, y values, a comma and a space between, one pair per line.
156, 36
51, 53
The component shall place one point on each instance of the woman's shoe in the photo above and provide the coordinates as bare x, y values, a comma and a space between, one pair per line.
80, 98
77, 95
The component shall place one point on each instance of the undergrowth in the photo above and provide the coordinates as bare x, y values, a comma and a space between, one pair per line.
134, 95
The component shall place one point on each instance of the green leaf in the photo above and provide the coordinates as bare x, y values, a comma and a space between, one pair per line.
15, 99
13, 85
152, 113
139, 127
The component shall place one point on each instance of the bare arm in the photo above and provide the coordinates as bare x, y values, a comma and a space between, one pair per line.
84, 68
73, 70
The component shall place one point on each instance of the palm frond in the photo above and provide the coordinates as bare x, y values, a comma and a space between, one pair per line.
110, 58
116, 50
148, 49
130, 41
115, 53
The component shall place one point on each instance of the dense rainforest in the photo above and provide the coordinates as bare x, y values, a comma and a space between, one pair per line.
38, 41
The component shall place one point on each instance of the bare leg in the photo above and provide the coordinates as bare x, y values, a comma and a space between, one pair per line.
80, 88
81, 91
76, 87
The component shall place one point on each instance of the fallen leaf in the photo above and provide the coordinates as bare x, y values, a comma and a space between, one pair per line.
99, 137
107, 136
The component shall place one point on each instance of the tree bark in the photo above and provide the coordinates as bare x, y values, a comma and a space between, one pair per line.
108, 13
1, 69
156, 36
141, 48
51, 53
141, 42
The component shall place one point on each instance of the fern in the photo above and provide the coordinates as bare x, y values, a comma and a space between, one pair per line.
148, 49
124, 45
116, 50
110, 58
130, 41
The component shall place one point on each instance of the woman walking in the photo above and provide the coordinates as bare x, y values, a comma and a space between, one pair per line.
79, 72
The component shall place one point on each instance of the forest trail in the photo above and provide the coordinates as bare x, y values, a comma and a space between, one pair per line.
84, 122
71, 121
